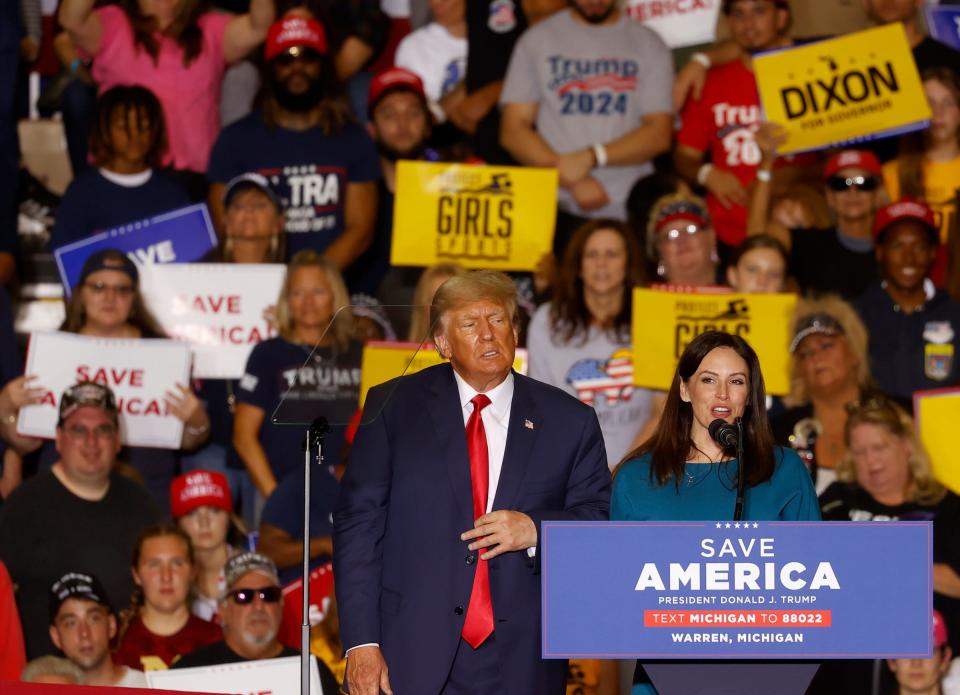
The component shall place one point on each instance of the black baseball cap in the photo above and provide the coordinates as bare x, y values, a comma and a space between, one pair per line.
76, 585
87, 394
109, 259
821, 323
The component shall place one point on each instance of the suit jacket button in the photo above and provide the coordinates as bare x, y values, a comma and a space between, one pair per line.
458, 610
470, 559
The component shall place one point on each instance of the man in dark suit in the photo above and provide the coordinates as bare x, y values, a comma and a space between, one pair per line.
437, 527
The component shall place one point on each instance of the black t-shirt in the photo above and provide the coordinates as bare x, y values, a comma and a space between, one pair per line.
329, 386
911, 352
931, 53
493, 27
367, 272
219, 653
47, 531
822, 263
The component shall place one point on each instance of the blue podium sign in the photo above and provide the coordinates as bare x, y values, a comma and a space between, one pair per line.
179, 236
746, 590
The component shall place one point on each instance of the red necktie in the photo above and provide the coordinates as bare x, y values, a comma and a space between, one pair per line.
479, 621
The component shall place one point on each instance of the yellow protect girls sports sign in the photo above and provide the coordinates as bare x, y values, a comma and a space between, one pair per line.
478, 216
664, 323
829, 92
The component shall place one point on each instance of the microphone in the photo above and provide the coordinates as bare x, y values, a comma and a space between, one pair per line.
724, 433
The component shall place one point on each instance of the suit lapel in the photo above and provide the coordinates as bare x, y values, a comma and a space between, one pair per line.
521, 434
450, 441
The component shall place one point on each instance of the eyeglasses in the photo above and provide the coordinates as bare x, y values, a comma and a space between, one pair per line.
100, 431
683, 232
288, 58
845, 183
101, 288
267, 594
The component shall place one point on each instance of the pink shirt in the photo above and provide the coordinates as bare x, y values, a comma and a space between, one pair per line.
190, 95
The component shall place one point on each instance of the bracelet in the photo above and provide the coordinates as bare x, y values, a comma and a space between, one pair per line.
702, 58
195, 431
600, 154
703, 172
12, 417
764, 175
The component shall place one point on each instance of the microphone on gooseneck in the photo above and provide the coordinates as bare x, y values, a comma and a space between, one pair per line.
724, 433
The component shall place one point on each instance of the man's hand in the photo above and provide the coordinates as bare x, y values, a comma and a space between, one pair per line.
574, 166
770, 137
589, 194
688, 82
367, 672
726, 187
507, 530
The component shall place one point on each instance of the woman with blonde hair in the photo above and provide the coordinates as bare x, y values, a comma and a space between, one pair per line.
829, 368
427, 285
886, 476
312, 367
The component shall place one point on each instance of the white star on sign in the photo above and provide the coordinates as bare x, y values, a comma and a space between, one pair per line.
719, 524
728, 524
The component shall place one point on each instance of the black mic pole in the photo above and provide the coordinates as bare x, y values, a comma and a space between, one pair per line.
315, 433
738, 507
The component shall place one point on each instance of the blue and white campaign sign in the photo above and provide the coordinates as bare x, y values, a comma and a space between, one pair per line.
178, 236
943, 22
744, 590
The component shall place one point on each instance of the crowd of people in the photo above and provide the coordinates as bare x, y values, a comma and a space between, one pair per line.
287, 118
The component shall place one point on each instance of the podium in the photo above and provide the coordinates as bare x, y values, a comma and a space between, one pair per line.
734, 607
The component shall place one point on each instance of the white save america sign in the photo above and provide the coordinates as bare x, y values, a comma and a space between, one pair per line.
678, 22
217, 308
139, 372
264, 677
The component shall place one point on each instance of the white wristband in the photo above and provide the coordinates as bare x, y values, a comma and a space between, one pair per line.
764, 175
701, 58
703, 173
600, 153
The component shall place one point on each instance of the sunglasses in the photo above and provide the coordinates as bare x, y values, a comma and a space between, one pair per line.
861, 183
677, 234
288, 58
268, 594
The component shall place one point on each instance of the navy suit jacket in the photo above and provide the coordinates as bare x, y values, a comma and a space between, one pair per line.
403, 577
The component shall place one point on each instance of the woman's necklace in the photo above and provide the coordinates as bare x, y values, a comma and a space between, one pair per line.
694, 479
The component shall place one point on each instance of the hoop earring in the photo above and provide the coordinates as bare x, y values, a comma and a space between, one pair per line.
714, 256
661, 271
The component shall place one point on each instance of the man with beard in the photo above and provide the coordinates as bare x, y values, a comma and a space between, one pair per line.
723, 120
322, 165
588, 92
251, 608
400, 124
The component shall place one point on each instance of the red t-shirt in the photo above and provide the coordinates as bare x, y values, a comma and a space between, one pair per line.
723, 122
146, 651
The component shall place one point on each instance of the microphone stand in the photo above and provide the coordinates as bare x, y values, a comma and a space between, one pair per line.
738, 507
314, 440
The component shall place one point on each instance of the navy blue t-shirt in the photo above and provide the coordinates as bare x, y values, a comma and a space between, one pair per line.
308, 170
284, 509
93, 203
329, 386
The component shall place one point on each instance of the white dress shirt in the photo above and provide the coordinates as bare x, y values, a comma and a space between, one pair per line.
496, 421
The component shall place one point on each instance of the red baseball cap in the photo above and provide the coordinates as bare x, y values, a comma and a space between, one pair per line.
853, 159
905, 209
939, 630
295, 32
199, 488
394, 79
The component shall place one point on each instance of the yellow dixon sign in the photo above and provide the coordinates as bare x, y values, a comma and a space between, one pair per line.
832, 91
383, 361
937, 414
478, 216
664, 323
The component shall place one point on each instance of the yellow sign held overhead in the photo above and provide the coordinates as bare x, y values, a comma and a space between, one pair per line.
383, 360
478, 216
664, 323
833, 91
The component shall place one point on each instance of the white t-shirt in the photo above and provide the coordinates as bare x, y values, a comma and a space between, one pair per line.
439, 58
132, 679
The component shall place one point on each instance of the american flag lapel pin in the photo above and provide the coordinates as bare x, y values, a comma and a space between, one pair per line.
528, 424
